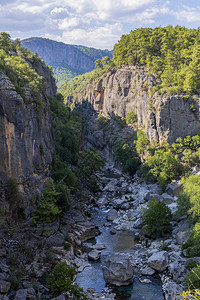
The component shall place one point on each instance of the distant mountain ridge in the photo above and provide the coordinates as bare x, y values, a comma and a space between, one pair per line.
66, 60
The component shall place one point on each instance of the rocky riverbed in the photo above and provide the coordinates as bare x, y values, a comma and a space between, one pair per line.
105, 243
122, 247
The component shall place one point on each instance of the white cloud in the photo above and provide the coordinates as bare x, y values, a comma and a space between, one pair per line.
98, 37
190, 14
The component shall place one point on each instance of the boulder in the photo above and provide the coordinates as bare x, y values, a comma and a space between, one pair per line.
94, 255
4, 286
158, 261
24, 294
139, 223
102, 202
117, 203
174, 188
117, 270
166, 198
149, 196
147, 271
112, 215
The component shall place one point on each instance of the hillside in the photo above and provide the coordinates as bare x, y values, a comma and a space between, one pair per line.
66, 60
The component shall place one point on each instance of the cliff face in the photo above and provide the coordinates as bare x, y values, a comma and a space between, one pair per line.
59, 54
26, 143
128, 89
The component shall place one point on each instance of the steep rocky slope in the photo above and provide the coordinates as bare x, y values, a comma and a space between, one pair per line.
57, 54
128, 88
26, 142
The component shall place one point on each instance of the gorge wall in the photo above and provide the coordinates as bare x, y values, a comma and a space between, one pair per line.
26, 142
59, 54
128, 88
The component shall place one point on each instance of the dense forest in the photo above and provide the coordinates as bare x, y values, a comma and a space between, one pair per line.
171, 54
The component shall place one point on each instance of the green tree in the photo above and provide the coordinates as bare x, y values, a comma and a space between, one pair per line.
157, 218
48, 208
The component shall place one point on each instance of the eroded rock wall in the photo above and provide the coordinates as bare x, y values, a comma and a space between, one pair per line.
128, 89
26, 144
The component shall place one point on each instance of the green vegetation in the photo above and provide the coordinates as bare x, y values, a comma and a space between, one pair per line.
95, 53
170, 53
61, 280
79, 83
127, 156
131, 117
20, 65
189, 203
192, 279
48, 209
157, 219
63, 74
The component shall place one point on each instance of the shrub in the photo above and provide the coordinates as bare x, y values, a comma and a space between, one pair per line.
61, 280
192, 279
157, 218
47, 204
131, 117
127, 156
91, 161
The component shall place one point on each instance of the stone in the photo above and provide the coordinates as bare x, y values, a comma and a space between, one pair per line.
158, 261
94, 255
117, 203
139, 223
112, 215
107, 224
172, 291
166, 198
61, 297
147, 271
4, 286
174, 188
117, 270
145, 280
56, 239
149, 196
125, 206
102, 202
99, 246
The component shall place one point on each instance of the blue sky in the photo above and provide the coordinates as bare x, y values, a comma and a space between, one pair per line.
93, 23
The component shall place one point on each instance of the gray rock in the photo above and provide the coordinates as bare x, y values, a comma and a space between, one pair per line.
117, 270
172, 291
158, 261
56, 239
61, 297
166, 198
149, 196
139, 223
94, 255
102, 202
112, 215
147, 271
24, 294
145, 280
174, 188
4, 286
117, 203
125, 206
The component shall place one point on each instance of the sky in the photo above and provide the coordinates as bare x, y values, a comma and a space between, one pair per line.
92, 23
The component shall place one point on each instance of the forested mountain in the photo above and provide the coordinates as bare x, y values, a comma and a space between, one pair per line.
66, 60
171, 53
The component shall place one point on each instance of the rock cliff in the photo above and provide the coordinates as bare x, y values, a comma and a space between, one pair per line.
128, 88
58, 54
26, 142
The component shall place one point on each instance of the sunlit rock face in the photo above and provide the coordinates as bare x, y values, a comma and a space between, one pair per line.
128, 88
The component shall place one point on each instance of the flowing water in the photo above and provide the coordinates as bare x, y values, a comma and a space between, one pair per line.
122, 241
